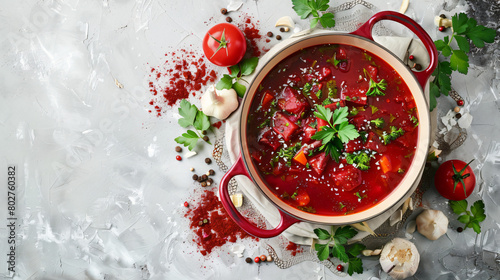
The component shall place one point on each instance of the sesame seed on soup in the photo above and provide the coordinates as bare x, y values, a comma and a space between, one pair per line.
332, 129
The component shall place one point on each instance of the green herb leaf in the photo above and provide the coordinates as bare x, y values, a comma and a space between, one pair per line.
338, 251
355, 265
464, 219
462, 43
356, 249
248, 65
322, 234
323, 251
459, 61
479, 34
340, 115
443, 47
187, 112
342, 234
202, 122
477, 210
188, 139
378, 122
305, 8
470, 219
240, 89
375, 89
234, 71
226, 82
392, 135
302, 8
360, 159
459, 23
458, 207
327, 20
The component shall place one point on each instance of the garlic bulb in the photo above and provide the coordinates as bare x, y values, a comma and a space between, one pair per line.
432, 224
399, 258
219, 103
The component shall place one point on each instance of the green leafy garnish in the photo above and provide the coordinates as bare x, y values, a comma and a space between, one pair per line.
289, 153
378, 122
244, 68
359, 159
305, 8
471, 218
376, 89
374, 109
464, 30
392, 135
191, 116
339, 131
414, 120
336, 245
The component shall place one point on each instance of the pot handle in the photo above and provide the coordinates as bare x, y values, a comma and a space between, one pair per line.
239, 169
366, 31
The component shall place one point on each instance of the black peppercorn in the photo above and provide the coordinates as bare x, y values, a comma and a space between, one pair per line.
204, 177
195, 177
205, 138
210, 180
223, 11
203, 184
178, 149
229, 19
458, 115
211, 172
282, 29
269, 34
460, 229
208, 161
278, 37
418, 67
248, 260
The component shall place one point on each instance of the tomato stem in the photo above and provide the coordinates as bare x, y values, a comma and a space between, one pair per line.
222, 42
459, 177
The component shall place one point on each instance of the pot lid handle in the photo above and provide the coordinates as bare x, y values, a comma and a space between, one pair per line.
239, 169
365, 30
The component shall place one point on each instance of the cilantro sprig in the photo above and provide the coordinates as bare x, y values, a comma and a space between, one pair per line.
232, 80
338, 132
471, 218
379, 123
191, 116
465, 30
305, 8
336, 246
360, 159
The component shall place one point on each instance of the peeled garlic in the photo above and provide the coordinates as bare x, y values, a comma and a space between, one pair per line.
237, 199
285, 21
219, 103
432, 224
399, 258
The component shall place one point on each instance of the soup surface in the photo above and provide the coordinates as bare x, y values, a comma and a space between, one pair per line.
332, 129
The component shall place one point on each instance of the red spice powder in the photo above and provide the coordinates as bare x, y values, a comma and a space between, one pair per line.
183, 72
252, 34
219, 228
294, 248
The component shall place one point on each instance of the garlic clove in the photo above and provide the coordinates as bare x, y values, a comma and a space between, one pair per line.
432, 224
237, 199
219, 103
400, 258
439, 21
285, 21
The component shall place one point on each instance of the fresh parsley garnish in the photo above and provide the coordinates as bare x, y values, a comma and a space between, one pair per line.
378, 122
338, 249
414, 120
305, 8
360, 159
392, 135
375, 89
464, 30
339, 131
471, 218
191, 116
244, 68
289, 153
374, 109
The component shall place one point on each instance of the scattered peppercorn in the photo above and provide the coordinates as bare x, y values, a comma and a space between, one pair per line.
191, 169
458, 115
282, 29
340, 267
195, 177
186, 204
460, 102
208, 183
460, 229
411, 57
248, 260
204, 177
256, 260
205, 138
178, 149
211, 172
263, 258
278, 37
208, 161
229, 19
204, 132
203, 184
178, 158
441, 28
269, 34
269, 258
418, 67
210, 180
442, 16
199, 179
223, 11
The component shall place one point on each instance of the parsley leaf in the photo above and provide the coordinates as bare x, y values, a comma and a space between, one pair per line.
471, 218
375, 89
378, 122
465, 30
338, 249
244, 68
338, 132
191, 116
360, 159
305, 8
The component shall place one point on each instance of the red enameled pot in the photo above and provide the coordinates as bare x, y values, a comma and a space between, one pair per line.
361, 38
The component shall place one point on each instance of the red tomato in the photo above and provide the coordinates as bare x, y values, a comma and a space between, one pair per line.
455, 180
224, 45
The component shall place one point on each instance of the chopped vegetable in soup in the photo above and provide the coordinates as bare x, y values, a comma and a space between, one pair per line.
332, 129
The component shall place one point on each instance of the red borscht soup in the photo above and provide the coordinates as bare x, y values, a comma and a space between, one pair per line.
332, 129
